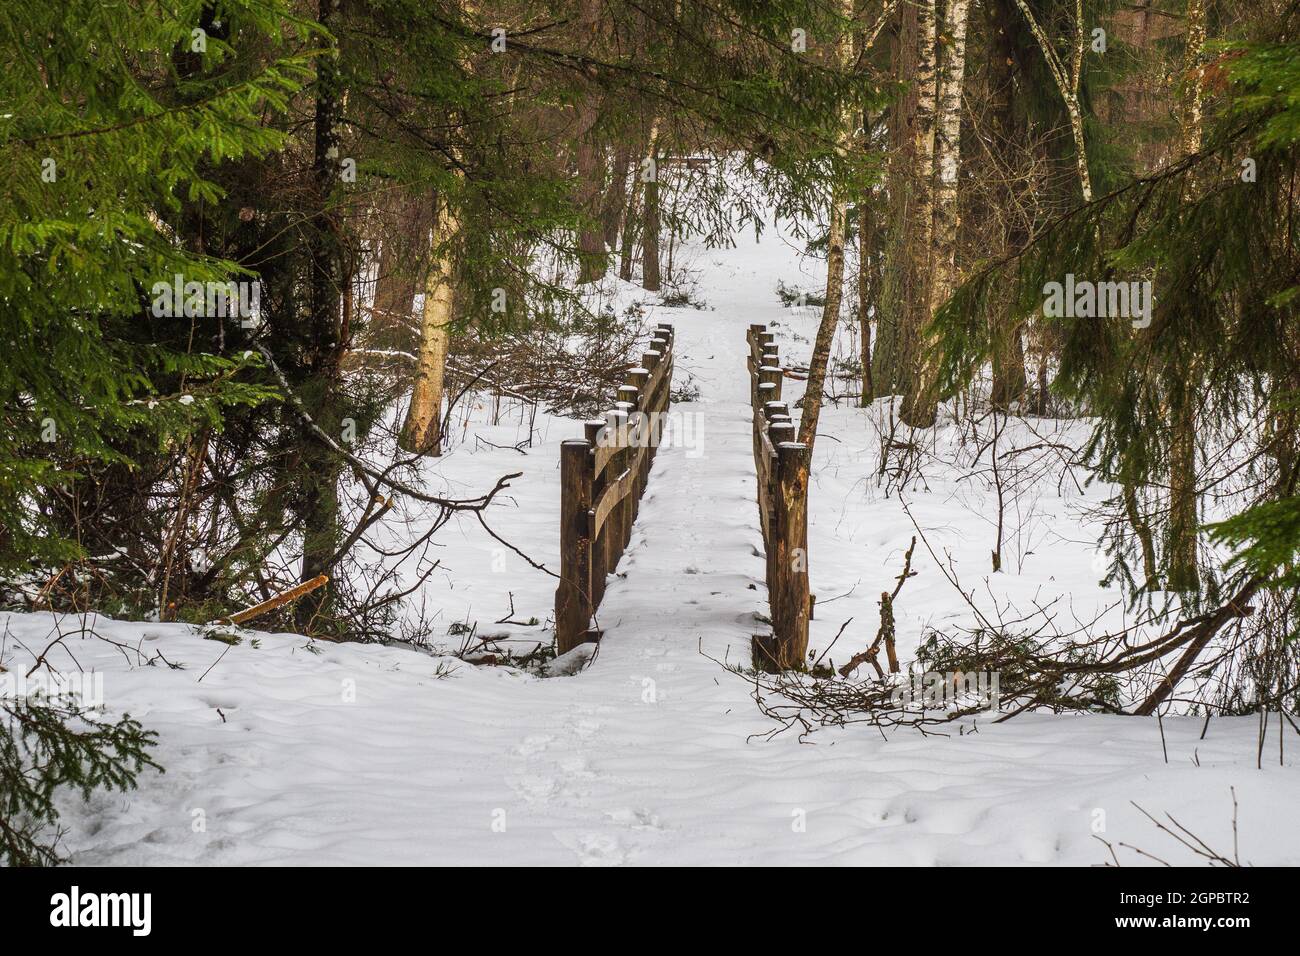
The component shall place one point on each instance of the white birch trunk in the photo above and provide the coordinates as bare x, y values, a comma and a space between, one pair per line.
943, 258
422, 430
917, 411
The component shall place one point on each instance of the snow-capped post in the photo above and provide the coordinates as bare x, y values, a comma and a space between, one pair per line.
573, 596
602, 478
751, 337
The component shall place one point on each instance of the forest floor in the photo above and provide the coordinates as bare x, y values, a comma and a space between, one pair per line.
283, 750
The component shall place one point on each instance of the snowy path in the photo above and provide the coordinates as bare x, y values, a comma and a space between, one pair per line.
349, 754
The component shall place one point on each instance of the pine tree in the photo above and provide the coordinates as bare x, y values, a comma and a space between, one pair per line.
106, 137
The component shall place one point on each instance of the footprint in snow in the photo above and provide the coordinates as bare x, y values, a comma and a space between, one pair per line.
597, 849
575, 767
534, 745
533, 787
638, 818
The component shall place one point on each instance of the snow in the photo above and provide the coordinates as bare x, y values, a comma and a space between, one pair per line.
281, 750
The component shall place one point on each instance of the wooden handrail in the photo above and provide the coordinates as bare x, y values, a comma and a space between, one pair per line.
602, 478
781, 467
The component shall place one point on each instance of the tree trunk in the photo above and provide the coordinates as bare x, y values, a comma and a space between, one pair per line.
616, 196
631, 219
916, 410
593, 260
866, 292
1010, 383
422, 430
650, 225
890, 360
1184, 575
319, 467
812, 397
1142, 530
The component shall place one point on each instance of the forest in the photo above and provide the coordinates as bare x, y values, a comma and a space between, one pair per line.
375, 383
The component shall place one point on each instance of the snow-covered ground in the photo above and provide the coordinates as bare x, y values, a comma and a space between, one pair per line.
282, 750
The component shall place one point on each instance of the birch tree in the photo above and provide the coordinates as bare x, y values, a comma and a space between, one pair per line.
422, 429
919, 406
1067, 79
920, 212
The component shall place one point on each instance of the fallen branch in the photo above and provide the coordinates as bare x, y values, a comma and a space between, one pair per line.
257, 610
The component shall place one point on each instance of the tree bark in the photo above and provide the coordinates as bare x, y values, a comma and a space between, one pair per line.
1010, 382
593, 260
631, 219
916, 409
422, 430
1182, 559
1184, 575
812, 396
615, 201
867, 286
650, 221
889, 361
319, 468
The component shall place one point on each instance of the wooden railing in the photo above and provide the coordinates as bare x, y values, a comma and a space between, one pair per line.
782, 467
602, 477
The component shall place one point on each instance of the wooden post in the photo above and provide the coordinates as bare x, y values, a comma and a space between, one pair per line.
640, 432
599, 433
792, 479
630, 403
778, 551
650, 362
573, 596
616, 521
763, 396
